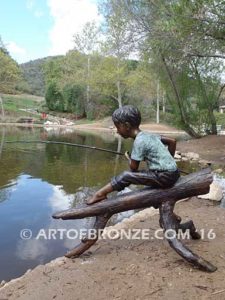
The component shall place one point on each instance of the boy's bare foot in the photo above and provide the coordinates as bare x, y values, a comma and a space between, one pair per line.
95, 198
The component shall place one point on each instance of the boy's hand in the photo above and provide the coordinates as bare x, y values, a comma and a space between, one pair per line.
127, 155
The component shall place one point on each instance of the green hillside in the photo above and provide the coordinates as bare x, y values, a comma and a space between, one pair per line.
33, 73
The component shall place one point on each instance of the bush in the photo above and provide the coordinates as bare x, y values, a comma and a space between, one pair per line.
54, 98
74, 98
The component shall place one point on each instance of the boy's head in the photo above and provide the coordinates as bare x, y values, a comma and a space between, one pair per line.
126, 119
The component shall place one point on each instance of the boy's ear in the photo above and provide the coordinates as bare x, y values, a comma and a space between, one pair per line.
127, 124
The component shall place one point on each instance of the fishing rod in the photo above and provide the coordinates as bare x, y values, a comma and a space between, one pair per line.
65, 143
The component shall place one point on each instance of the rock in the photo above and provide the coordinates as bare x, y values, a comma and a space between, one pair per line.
215, 193
177, 156
192, 156
2, 283
218, 171
204, 162
185, 158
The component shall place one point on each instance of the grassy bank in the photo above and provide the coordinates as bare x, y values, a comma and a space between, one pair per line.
18, 106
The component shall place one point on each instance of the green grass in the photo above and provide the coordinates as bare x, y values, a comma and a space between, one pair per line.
15, 103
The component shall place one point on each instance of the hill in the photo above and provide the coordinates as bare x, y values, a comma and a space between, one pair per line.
33, 73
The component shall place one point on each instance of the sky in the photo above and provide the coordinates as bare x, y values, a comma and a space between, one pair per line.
33, 29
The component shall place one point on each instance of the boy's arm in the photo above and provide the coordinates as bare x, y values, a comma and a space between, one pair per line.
133, 164
171, 143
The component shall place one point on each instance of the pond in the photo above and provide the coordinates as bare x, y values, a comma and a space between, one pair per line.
37, 180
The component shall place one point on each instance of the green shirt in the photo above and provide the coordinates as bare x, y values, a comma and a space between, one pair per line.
148, 147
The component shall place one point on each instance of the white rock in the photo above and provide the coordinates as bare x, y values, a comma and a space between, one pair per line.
215, 193
218, 171
2, 283
192, 155
177, 156
205, 162
185, 159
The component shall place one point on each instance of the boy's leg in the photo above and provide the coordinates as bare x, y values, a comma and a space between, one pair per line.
152, 179
140, 178
100, 194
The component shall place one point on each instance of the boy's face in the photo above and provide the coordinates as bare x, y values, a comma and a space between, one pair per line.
123, 130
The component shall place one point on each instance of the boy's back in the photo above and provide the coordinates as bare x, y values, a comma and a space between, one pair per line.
149, 148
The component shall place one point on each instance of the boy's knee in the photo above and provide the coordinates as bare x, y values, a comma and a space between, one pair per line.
120, 181
125, 174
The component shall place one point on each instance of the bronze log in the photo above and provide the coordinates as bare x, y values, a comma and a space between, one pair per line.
165, 199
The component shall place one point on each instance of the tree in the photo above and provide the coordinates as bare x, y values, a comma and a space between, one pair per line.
176, 35
9, 74
53, 97
3, 48
118, 42
86, 43
73, 96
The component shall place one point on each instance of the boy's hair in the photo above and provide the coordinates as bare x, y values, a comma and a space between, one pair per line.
127, 114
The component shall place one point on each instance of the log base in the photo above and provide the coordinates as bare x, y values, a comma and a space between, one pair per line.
190, 185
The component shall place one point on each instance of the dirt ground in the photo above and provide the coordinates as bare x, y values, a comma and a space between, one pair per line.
140, 269
211, 148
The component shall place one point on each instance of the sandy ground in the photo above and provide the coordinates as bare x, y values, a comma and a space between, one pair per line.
139, 269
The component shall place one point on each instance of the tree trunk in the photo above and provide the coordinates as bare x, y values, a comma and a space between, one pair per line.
209, 104
2, 108
157, 106
119, 96
187, 126
88, 83
2, 141
164, 104
212, 121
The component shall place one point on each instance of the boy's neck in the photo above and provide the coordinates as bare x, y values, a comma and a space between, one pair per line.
135, 132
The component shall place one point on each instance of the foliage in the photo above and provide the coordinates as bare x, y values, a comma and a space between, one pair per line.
54, 98
184, 42
73, 96
9, 73
180, 45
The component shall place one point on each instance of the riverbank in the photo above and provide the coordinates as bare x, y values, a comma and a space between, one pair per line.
101, 126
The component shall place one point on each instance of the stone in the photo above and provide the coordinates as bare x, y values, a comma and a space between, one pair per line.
185, 159
177, 156
2, 283
192, 155
204, 162
218, 171
215, 193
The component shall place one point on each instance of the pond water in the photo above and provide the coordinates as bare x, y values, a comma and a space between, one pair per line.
37, 180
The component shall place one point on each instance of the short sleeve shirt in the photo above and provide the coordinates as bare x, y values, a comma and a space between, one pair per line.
149, 148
